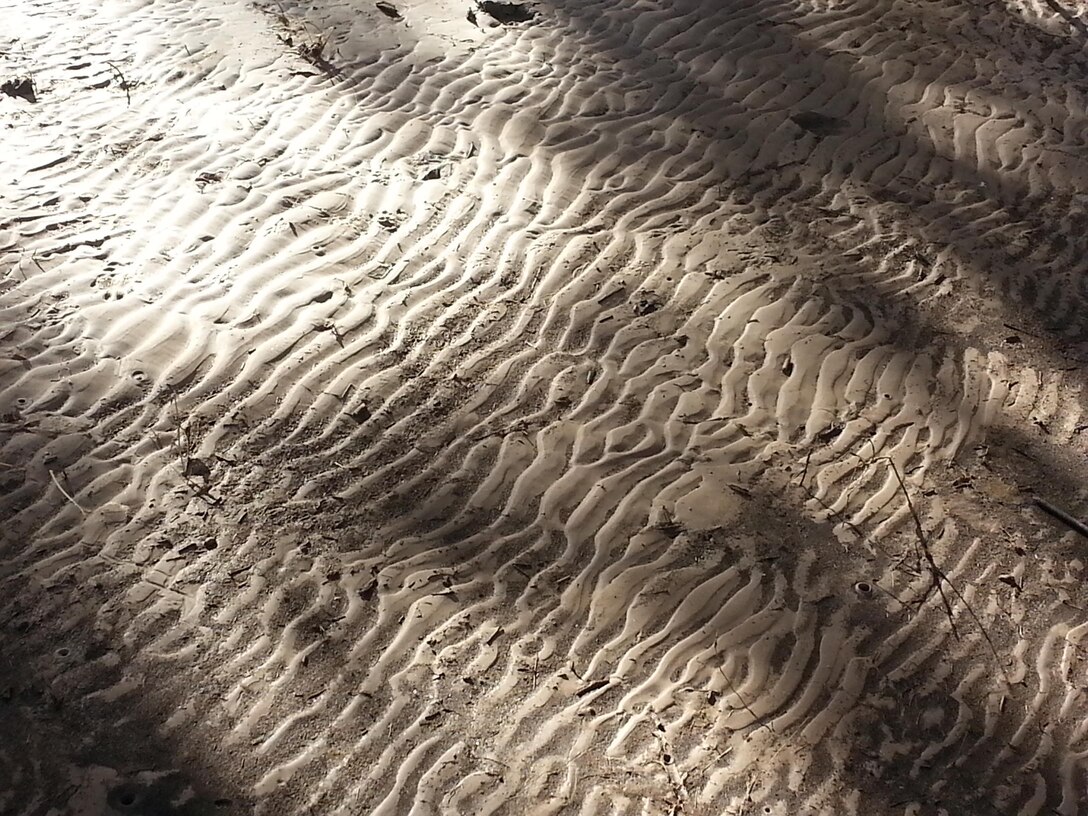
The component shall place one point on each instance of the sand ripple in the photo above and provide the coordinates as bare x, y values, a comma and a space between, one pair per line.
510, 417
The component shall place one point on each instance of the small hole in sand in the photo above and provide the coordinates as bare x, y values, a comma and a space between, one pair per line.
127, 799
63, 651
863, 588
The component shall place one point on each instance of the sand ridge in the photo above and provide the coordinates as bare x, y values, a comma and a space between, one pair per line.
494, 418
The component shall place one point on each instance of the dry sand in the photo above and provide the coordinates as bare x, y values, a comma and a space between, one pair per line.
413, 409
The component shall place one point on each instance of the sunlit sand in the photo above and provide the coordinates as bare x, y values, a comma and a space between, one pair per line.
557, 407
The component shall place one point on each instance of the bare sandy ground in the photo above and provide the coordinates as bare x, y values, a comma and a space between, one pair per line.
580, 407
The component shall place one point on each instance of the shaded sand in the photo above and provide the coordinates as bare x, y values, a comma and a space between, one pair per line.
409, 411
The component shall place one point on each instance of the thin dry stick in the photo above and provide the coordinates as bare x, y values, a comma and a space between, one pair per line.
183, 437
124, 82
1062, 516
756, 718
676, 781
937, 574
1067, 15
804, 473
66, 494
838, 516
841, 518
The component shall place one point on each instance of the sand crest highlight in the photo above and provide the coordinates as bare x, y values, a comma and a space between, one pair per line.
563, 408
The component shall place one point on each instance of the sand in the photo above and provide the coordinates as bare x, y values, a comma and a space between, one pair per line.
583, 407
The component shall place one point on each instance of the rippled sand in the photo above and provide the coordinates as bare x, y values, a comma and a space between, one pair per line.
591, 407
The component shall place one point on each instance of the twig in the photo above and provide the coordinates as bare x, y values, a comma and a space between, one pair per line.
66, 494
841, 518
804, 473
1066, 15
1062, 516
183, 437
937, 574
124, 82
667, 761
939, 578
312, 49
757, 720
1020, 330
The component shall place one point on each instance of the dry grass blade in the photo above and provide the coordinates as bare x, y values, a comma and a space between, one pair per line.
193, 468
66, 494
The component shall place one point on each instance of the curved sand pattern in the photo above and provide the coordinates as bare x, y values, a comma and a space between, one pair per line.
506, 418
